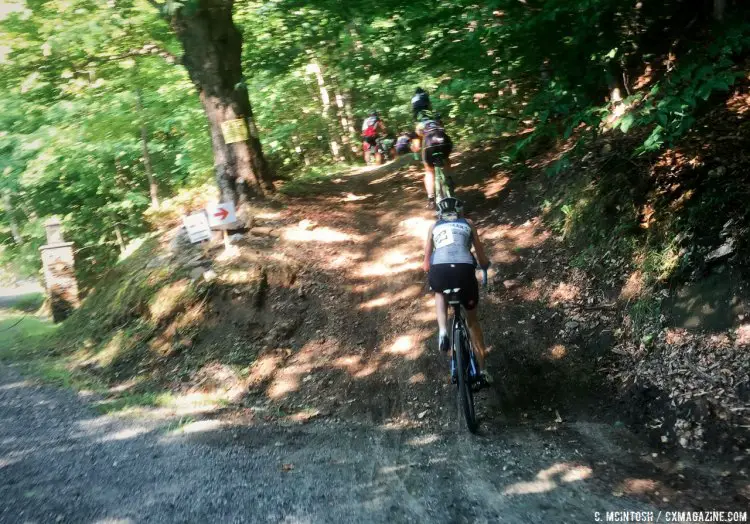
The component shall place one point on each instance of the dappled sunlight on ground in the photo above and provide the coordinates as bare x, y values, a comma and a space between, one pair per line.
739, 104
743, 335
389, 299
390, 263
494, 187
557, 352
424, 440
351, 197
320, 234
550, 478
530, 234
633, 486
107, 355
263, 368
409, 346
384, 179
343, 260
416, 227
167, 298
634, 286
287, 380
125, 434
367, 370
418, 378
15, 385
564, 292
199, 426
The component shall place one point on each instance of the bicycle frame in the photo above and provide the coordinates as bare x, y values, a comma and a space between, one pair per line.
463, 361
459, 324
443, 184
464, 366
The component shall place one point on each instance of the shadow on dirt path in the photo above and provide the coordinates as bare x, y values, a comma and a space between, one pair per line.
61, 463
373, 359
383, 442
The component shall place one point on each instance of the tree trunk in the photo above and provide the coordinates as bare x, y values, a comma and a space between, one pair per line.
346, 127
213, 51
352, 130
14, 229
327, 112
152, 187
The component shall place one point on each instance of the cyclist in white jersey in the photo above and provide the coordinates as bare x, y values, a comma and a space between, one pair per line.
450, 264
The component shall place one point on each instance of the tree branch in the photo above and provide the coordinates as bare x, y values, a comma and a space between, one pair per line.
147, 49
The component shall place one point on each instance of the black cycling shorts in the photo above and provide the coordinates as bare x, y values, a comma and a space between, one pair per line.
436, 143
372, 140
451, 276
402, 148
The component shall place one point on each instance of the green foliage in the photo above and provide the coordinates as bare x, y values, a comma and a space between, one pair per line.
305, 181
20, 335
131, 400
644, 312
70, 130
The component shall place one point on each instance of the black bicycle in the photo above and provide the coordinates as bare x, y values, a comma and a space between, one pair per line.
464, 366
444, 186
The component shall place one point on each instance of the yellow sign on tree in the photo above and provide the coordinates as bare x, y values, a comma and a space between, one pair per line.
234, 130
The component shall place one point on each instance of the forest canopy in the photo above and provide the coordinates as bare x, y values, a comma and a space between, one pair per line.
109, 107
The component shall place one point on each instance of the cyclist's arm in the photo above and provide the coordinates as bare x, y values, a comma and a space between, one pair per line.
478, 247
382, 128
428, 250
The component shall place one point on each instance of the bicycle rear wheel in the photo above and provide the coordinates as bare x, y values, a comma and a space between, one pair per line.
443, 189
465, 393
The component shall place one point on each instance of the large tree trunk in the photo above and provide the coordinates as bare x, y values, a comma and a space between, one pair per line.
213, 52
153, 189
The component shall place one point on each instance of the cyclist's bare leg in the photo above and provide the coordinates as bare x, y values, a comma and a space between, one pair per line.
441, 308
429, 180
477, 337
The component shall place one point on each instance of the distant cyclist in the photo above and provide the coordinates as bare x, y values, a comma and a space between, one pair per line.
420, 102
405, 143
450, 264
372, 128
434, 140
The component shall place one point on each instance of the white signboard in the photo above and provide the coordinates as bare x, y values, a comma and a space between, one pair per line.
221, 215
197, 227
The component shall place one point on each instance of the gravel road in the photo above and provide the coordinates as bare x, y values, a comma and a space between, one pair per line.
61, 462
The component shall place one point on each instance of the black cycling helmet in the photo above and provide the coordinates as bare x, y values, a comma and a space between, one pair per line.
420, 101
450, 205
374, 113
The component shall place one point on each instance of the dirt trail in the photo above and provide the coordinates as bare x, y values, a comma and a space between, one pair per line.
389, 447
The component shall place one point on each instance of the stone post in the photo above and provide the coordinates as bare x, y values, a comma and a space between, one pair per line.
59, 275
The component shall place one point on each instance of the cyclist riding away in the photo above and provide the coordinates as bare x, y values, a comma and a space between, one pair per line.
405, 143
450, 264
434, 140
372, 128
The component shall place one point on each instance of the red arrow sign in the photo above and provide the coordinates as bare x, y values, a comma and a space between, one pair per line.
221, 213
